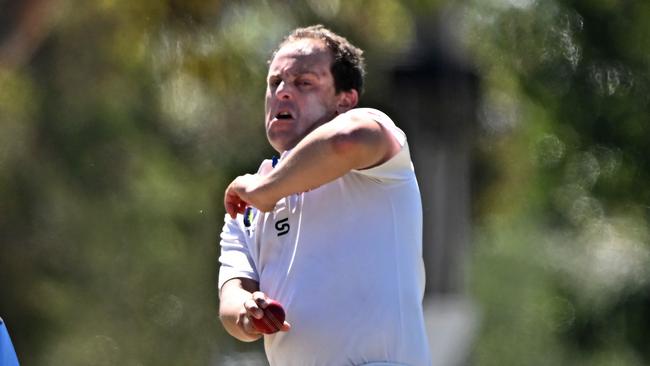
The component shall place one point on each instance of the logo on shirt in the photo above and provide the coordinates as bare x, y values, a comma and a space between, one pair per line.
282, 226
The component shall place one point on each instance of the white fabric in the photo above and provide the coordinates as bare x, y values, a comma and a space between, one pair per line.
349, 271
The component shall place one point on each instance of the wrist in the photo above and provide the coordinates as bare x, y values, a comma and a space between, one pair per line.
263, 195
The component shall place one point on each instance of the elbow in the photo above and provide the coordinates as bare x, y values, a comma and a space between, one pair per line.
349, 142
356, 146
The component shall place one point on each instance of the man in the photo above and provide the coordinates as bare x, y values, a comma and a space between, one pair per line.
333, 230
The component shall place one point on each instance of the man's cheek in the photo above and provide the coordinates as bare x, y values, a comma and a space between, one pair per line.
317, 112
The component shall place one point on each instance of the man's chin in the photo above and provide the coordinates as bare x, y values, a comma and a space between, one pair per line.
281, 143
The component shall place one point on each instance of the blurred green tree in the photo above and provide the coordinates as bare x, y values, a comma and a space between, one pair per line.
562, 252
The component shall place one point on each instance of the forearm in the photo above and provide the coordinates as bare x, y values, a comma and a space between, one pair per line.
231, 308
312, 163
327, 153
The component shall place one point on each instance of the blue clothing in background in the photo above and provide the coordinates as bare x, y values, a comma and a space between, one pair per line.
7, 353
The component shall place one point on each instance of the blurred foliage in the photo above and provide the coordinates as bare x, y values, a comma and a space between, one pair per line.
123, 121
561, 260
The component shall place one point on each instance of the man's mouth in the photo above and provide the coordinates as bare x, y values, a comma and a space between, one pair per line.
284, 115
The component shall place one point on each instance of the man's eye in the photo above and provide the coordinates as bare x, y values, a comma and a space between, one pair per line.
303, 82
274, 83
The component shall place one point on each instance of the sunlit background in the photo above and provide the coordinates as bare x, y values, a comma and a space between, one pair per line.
122, 121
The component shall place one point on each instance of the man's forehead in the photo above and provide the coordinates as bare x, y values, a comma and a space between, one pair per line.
304, 46
301, 53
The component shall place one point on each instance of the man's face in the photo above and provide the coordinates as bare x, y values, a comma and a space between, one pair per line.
300, 93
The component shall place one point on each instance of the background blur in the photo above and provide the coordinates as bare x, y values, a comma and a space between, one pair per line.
122, 121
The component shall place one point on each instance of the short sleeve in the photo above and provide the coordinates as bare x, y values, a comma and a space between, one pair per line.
236, 260
397, 168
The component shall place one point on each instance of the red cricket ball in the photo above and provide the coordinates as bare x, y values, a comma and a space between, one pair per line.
273, 318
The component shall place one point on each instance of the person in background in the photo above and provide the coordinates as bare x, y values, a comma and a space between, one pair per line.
7, 354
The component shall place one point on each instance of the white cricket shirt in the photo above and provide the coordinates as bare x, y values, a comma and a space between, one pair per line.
345, 260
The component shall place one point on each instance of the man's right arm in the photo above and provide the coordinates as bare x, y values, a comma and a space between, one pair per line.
232, 310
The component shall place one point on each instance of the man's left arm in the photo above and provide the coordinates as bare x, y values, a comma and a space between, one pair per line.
349, 141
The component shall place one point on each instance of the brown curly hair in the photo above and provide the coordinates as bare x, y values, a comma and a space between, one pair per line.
348, 68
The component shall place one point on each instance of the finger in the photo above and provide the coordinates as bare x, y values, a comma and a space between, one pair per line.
233, 203
230, 202
231, 210
252, 309
260, 299
248, 326
285, 327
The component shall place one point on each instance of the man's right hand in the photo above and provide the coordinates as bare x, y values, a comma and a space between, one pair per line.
240, 301
254, 309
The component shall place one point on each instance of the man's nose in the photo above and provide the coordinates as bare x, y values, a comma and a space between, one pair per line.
283, 91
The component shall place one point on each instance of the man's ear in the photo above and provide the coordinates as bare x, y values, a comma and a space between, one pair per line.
347, 100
